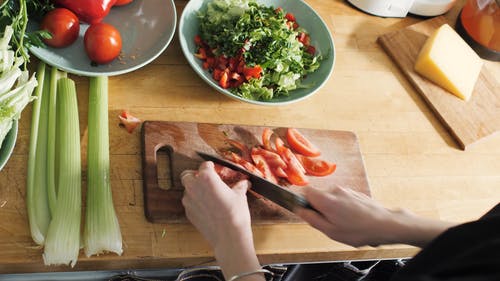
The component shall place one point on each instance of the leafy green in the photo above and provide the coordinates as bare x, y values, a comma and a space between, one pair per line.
230, 26
15, 13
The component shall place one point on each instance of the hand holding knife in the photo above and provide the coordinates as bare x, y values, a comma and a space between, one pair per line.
277, 194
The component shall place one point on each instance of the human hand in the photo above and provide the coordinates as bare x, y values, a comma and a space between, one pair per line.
212, 206
222, 216
353, 218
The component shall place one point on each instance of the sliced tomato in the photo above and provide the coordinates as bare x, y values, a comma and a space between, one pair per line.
280, 172
266, 139
294, 170
261, 164
243, 148
301, 144
242, 162
128, 121
229, 176
316, 167
273, 160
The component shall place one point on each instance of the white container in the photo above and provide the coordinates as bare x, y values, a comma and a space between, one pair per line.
400, 8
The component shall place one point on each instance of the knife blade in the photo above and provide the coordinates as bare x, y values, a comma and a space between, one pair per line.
277, 194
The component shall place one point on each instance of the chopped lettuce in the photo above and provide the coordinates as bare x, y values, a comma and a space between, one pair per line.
230, 26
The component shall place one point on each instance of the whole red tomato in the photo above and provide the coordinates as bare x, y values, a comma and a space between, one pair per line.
63, 25
103, 43
122, 2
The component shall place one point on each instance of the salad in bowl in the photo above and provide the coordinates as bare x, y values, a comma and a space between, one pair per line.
272, 52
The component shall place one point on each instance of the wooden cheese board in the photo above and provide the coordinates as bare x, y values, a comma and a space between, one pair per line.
468, 121
179, 141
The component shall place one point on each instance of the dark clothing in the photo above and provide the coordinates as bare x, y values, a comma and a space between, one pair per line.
468, 252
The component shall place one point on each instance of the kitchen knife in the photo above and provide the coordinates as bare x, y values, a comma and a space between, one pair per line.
277, 194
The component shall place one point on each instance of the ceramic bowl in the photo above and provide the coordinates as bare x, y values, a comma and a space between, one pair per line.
307, 18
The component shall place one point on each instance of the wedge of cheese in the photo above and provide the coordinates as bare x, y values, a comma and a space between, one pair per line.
447, 60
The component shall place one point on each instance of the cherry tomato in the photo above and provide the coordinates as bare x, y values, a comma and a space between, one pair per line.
63, 25
301, 144
122, 2
316, 167
103, 43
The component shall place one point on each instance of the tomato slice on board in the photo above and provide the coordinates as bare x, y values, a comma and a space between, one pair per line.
272, 158
301, 144
261, 164
228, 175
243, 148
316, 167
294, 170
242, 162
266, 139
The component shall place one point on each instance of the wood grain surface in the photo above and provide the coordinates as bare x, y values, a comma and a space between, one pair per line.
181, 140
411, 160
469, 121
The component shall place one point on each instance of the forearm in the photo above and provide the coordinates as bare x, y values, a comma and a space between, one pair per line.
236, 255
406, 228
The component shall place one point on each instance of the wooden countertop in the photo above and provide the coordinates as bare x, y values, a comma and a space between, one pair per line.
411, 161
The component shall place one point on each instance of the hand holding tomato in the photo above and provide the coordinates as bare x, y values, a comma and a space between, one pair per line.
63, 26
103, 43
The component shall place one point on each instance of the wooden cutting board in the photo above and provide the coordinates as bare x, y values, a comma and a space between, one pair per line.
469, 121
168, 148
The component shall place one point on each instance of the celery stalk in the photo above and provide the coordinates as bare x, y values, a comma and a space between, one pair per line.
62, 243
51, 131
102, 230
36, 191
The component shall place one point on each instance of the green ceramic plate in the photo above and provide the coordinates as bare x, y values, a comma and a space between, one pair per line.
8, 145
146, 28
321, 39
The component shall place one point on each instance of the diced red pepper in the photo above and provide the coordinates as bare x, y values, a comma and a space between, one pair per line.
202, 54
252, 72
197, 40
290, 16
311, 49
217, 74
304, 39
224, 80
